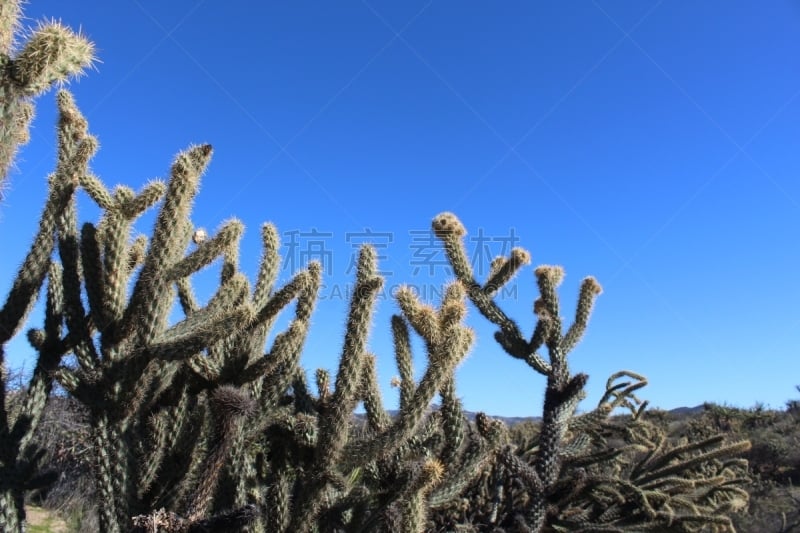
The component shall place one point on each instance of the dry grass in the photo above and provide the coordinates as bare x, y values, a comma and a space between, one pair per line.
44, 521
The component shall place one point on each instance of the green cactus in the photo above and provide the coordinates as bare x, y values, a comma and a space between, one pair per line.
52, 55
572, 481
194, 424
18, 456
199, 426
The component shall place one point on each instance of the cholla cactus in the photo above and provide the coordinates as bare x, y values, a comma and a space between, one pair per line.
51, 55
571, 481
194, 426
18, 456
197, 426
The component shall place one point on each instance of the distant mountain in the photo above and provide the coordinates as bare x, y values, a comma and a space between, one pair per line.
684, 411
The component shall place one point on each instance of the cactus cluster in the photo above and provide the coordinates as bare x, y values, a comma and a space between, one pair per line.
199, 426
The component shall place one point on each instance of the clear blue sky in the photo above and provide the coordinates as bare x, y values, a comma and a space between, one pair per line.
654, 145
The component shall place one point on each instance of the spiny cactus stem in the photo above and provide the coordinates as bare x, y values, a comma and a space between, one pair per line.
33, 270
269, 266
10, 11
151, 294
334, 423
402, 350
449, 229
230, 407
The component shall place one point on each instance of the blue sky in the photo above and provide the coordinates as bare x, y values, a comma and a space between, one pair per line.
654, 145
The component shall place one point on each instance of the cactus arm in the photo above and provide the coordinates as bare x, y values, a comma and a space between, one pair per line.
152, 293
53, 54
402, 350
334, 421
377, 417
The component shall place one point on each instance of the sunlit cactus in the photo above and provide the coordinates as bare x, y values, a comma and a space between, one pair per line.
18, 454
200, 424
52, 54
